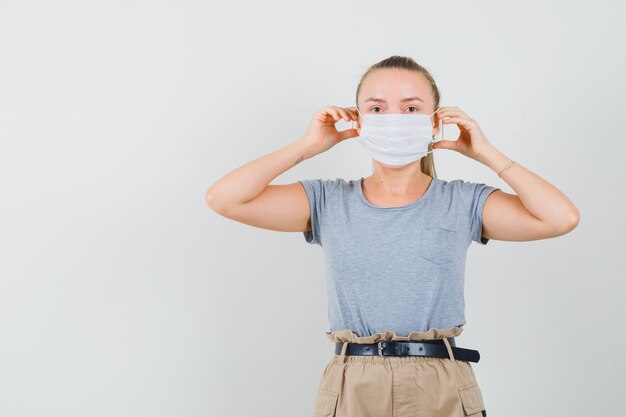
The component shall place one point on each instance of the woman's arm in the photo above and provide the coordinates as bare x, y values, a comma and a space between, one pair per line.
244, 194
538, 211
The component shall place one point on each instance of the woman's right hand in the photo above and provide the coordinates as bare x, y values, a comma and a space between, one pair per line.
322, 133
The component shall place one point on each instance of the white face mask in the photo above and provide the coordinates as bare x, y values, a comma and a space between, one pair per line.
396, 139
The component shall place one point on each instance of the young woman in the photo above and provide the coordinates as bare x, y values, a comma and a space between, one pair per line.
395, 242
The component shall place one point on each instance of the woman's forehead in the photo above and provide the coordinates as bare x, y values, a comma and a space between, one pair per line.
385, 86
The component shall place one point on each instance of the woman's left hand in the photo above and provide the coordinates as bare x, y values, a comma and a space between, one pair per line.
471, 140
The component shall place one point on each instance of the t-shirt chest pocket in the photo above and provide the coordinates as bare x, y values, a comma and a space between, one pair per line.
438, 244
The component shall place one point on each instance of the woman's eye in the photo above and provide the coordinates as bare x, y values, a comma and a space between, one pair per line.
413, 107
377, 107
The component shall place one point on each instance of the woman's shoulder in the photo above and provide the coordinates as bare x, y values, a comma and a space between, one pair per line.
327, 186
330, 183
459, 183
468, 191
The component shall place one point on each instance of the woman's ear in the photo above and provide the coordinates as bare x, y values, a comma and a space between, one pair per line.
357, 127
435, 130
436, 124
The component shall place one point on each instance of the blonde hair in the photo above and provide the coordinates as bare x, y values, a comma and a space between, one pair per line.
427, 164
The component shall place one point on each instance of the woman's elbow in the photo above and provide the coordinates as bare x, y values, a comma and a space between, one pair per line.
569, 222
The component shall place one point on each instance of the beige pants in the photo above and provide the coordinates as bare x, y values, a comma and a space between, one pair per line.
397, 386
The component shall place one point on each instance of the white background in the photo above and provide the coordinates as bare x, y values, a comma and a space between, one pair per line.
123, 294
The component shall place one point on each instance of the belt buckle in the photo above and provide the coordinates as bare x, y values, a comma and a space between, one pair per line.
403, 351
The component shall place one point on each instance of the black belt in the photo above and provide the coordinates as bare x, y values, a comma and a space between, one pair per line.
435, 347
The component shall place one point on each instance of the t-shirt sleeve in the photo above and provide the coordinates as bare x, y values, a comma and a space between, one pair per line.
474, 196
317, 192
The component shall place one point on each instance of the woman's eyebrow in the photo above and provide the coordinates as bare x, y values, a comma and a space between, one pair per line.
380, 100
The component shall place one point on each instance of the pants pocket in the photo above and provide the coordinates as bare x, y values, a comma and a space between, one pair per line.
472, 399
325, 403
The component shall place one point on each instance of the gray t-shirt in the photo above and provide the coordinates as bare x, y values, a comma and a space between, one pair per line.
395, 268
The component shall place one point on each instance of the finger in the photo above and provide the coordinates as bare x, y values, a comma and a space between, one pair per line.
334, 113
357, 116
444, 144
340, 113
446, 112
460, 121
452, 111
352, 111
354, 116
347, 134
344, 114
